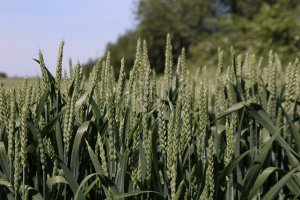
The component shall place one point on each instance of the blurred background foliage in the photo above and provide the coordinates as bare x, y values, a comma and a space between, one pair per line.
201, 26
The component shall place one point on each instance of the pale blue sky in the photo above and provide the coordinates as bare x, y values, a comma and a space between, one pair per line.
86, 27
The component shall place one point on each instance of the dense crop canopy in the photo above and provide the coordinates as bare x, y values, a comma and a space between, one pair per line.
233, 136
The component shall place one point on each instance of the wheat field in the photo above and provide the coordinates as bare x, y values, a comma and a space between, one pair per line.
232, 136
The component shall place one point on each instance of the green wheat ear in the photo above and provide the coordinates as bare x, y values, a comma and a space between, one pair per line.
291, 86
168, 74
209, 189
95, 74
2, 104
24, 131
43, 70
272, 86
121, 81
102, 154
17, 175
149, 154
49, 148
11, 124
203, 115
162, 131
59, 66
172, 143
185, 136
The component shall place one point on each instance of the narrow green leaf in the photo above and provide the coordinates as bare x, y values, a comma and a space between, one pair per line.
4, 160
83, 182
257, 113
75, 155
41, 106
293, 129
71, 180
232, 109
94, 159
260, 181
6, 183
56, 180
82, 99
230, 167
272, 193
121, 196
255, 167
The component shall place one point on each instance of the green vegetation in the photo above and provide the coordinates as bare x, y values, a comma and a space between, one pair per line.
233, 137
201, 26
15, 82
2, 75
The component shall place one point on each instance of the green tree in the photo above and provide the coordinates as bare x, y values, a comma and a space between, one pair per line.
124, 47
201, 26
2, 75
182, 19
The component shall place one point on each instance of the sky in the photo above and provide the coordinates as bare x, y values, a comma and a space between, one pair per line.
86, 28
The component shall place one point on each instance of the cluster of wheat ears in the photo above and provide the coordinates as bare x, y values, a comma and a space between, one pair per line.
235, 136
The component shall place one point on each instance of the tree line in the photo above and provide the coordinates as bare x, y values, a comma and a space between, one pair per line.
201, 26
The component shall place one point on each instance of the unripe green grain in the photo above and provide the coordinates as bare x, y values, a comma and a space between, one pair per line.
178, 68
183, 76
185, 135
192, 94
43, 70
108, 78
110, 195
229, 142
102, 84
17, 175
71, 69
21, 93
24, 137
203, 115
138, 57
148, 152
173, 180
24, 132
66, 123
111, 128
134, 178
102, 154
272, 86
179, 191
219, 93
162, 131
153, 91
70, 110
66, 82
41, 149
146, 88
220, 61
239, 65
172, 144
59, 66
121, 81
2, 103
291, 86
252, 76
11, 125
49, 147
94, 74
230, 129
209, 189
168, 64
178, 122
